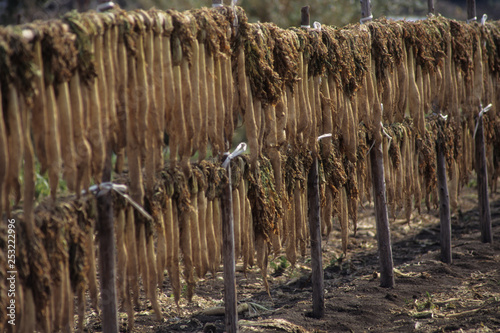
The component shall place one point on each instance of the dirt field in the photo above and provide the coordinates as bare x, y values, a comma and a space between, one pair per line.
429, 296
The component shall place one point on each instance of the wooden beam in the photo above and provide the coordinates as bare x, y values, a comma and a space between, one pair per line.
231, 313
471, 10
366, 11
482, 184
430, 6
381, 216
444, 201
315, 232
305, 20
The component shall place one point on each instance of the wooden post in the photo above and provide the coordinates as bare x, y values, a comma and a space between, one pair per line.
381, 217
231, 314
107, 253
305, 21
315, 232
482, 184
471, 10
430, 5
366, 11
444, 201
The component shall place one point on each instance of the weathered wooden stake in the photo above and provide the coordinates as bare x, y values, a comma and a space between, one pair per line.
471, 10
366, 10
482, 184
381, 217
305, 21
107, 253
231, 314
430, 5
315, 232
444, 201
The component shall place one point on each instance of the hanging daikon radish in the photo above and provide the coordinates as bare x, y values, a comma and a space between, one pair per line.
108, 59
363, 103
152, 275
95, 136
142, 253
327, 211
236, 223
16, 145
68, 314
343, 219
212, 112
454, 186
196, 106
220, 108
427, 93
403, 87
133, 141
143, 100
150, 124
251, 235
168, 83
29, 169
334, 107
312, 84
350, 133
202, 216
195, 234
102, 95
296, 235
478, 73
52, 141
250, 121
80, 305
262, 259
305, 225
414, 99
187, 253
132, 260
188, 104
281, 120
291, 114
122, 255
243, 223
217, 223
172, 234
260, 120
420, 85
161, 248
39, 114
121, 105
159, 86
81, 145
211, 240
202, 89
28, 311
227, 95
66, 136
387, 97
303, 114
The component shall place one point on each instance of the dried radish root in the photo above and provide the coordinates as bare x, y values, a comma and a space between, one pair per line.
188, 103
262, 260
196, 106
152, 275
133, 142
251, 125
195, 234
121, 252
81, 145
303, 111
66, 136
236, 223
220, 107
172, 233
343, 218
203, 139
211, 240
202, 216
142, 253
227, 97
132, 262
39, 113
299, 237
161, 250
217, 224
187, 253
52, 141
212, 130
291, 124
15, 141
159, 87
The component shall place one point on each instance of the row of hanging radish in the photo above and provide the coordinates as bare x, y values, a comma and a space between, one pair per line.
128, 79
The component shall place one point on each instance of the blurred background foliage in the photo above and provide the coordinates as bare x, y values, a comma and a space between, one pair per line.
284, 13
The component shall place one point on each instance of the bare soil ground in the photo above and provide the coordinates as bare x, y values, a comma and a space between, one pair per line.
429, 296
